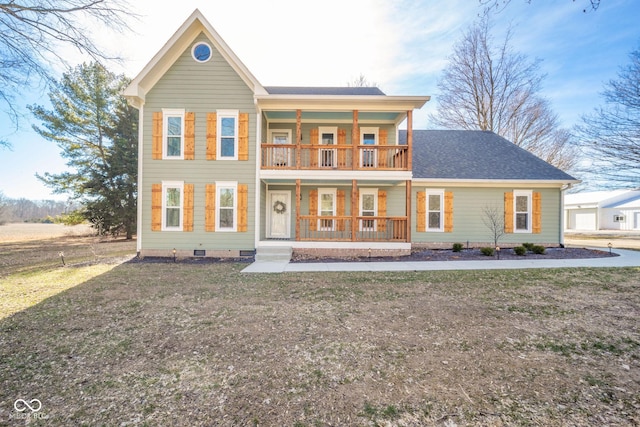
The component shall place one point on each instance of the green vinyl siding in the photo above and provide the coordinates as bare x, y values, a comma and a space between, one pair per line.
468, 225
200, 88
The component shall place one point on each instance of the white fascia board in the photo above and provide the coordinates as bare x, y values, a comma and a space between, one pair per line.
341, 102
490, 182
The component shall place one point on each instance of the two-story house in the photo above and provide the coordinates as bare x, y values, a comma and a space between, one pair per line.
228, 166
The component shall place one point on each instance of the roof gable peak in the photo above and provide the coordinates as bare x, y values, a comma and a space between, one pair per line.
195, 24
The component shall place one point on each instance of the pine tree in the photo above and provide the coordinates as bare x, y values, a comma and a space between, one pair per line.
97, 133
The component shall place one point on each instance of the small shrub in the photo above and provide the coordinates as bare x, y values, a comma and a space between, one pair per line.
528, 246
539, 250
520, 250
457, 247
487, 251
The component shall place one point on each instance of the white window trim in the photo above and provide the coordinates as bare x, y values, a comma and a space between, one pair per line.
529, 195
193, 52
328, 129
227, 114
374, 159
374, 193
334, 193
373, 130
166, 185
323, 151
166, 113
220, 185
272, 131
435, 193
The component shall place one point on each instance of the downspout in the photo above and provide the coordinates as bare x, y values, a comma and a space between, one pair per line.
258, 168
563, 214
140, 173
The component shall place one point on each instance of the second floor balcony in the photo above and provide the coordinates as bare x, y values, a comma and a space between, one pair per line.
338, 157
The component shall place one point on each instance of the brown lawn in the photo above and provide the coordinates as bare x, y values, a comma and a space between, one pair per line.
202, 344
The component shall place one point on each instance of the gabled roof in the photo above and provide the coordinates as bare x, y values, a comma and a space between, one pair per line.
171, 51
608, 199
476, 155
340, 91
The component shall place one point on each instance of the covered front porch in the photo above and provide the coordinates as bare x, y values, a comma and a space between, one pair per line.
356, 211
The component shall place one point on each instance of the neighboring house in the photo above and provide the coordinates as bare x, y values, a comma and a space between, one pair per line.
228, 166
603, 210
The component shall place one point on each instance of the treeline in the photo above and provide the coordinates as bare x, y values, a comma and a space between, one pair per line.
25, 210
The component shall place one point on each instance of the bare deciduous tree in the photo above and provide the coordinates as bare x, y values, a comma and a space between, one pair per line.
488, 86
611, 135
32, 33
493, 219
361, 81
501, 4
3, 208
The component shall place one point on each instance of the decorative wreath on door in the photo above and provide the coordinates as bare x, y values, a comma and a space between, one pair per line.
279, 207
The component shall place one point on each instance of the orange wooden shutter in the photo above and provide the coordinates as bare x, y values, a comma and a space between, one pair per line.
189, 135
156, 136
210, 208
342, 153
537, 212
187, 215
421, 211
383, 138
243, 199
341, 209
448, 211
382, 210
313, 209
314, 139
382, 154
156, 207
508, 212
212, 134
243, 137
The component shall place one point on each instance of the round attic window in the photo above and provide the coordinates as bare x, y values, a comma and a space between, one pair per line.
201, 52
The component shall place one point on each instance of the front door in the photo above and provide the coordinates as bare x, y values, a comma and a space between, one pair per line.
279, 215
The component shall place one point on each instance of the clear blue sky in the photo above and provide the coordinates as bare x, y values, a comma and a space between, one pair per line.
401, 45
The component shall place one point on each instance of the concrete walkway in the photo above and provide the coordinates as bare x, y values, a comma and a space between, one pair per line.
627, 258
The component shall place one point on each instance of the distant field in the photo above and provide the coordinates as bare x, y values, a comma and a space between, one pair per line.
17, 232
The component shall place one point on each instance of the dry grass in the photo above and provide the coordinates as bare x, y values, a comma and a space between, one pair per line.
202, 344
20, 232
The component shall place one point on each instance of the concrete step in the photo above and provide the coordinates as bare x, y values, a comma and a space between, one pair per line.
274, 253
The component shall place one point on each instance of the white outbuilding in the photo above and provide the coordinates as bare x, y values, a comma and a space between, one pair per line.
602, 210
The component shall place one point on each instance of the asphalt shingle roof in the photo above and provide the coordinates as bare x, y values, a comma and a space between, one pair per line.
466, 154
300, 90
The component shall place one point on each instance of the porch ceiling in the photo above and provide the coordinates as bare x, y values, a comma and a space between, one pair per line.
335, 116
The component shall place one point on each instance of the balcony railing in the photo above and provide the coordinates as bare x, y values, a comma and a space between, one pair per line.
340, 228
340, 157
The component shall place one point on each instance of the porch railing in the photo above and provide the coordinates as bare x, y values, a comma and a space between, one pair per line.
340, 157
341, 228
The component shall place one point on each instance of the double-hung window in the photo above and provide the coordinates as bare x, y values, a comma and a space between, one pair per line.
227, 135
227, 203
522, 211
368, 207
172, 205
435, 212
173, 131
281, 156
368, 136
327, 208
